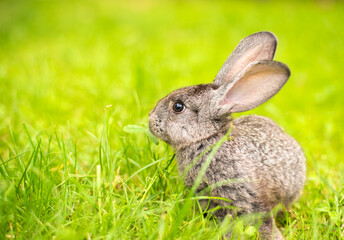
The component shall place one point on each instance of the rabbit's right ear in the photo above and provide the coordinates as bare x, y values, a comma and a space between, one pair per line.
254, 85
256, 47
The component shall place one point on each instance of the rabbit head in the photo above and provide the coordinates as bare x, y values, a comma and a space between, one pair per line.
247, 79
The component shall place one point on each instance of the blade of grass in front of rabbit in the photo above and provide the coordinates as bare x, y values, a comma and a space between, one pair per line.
205, 151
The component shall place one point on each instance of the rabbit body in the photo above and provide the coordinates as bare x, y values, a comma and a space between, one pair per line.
260, 165
266, 164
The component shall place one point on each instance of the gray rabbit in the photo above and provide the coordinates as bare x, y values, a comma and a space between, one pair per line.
269, 163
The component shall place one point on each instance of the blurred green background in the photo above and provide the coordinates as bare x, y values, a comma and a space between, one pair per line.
81, 70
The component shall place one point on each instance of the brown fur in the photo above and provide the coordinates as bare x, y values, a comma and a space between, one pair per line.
267, 163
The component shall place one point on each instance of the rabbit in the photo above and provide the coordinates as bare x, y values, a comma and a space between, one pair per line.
270, 163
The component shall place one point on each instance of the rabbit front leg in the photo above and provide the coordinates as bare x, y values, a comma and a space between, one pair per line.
267, 231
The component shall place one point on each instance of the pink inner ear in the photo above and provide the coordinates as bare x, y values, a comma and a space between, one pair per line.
244, 92
255, 86
258, 53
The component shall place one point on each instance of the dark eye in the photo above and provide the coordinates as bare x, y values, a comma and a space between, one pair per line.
178, 107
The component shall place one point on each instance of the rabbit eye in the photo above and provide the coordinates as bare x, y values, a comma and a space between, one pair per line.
178, 107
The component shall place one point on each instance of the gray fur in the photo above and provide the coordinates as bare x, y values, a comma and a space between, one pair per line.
268, 164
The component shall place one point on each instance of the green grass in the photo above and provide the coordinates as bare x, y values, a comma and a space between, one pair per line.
74, 73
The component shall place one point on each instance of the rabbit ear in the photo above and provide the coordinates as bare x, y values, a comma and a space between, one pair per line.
256, 47
256, 84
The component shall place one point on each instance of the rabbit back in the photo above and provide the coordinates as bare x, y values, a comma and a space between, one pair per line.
277, 160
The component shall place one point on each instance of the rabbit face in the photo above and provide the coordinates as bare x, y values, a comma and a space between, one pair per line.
184, 116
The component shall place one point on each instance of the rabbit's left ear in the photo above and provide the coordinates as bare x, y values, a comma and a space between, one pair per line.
254, 85
256, 47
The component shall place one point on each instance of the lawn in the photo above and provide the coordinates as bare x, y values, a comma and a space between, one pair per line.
74, 74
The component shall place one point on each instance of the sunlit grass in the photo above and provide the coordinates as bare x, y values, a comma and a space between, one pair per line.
74, 74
